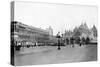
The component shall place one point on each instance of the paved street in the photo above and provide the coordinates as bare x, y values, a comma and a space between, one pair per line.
48, 55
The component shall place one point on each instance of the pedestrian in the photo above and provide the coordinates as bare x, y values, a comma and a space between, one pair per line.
67, 40
72, 41
83, 41
58, 40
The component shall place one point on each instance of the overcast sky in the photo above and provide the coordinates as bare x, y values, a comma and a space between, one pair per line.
58, 16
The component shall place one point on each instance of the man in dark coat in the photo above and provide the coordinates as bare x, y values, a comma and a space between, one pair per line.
58, 39
67, 40
72, 41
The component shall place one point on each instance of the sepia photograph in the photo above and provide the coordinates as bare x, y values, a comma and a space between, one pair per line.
52, 33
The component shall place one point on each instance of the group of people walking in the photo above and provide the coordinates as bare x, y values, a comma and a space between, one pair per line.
72, 41
60, 42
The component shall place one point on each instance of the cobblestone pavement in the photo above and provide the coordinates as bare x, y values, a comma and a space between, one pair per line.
50, 55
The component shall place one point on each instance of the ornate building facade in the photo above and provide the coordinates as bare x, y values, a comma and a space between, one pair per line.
25, 35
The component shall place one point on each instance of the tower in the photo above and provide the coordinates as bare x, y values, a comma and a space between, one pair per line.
50, 30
